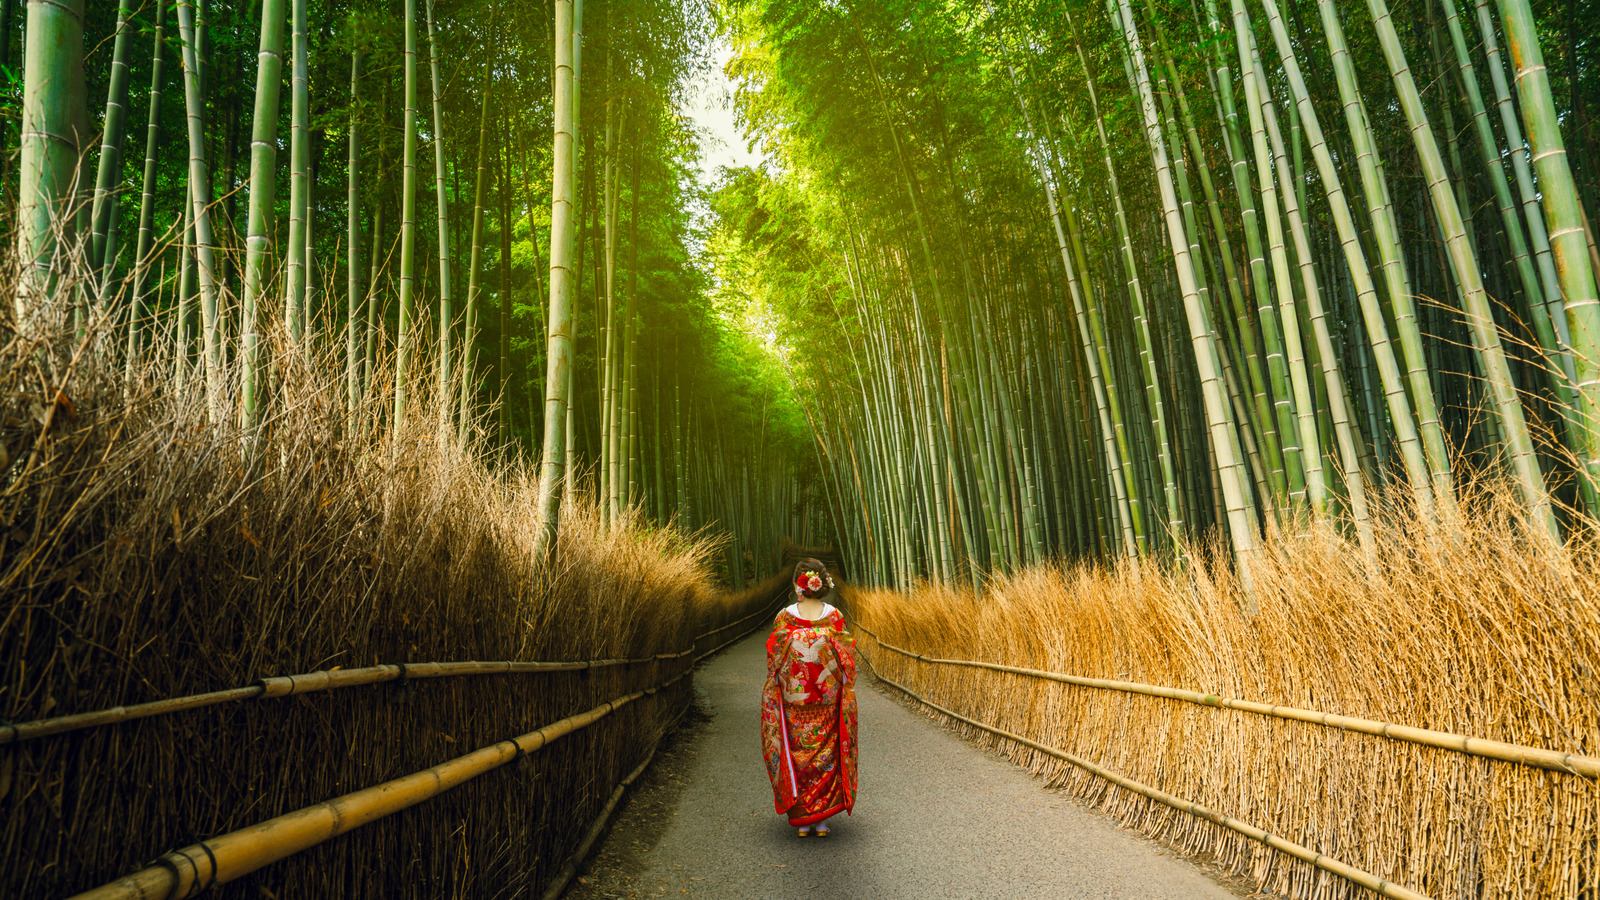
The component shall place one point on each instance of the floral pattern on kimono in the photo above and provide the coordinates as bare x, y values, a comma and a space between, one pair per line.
808, 716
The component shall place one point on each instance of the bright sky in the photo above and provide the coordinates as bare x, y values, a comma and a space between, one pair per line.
711, 107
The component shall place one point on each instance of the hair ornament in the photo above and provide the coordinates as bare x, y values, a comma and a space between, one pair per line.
812, 583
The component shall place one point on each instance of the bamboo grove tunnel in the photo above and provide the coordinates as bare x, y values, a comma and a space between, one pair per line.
1196, 400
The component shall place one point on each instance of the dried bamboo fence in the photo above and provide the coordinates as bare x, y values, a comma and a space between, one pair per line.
1456, 758
146, 560
1554, 760
188, 871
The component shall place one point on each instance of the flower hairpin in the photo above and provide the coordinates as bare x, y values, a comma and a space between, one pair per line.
812, 582
808, 581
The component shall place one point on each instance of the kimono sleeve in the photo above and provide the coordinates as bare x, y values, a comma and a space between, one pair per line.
776, 641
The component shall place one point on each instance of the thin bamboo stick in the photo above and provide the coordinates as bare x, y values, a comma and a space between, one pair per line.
1570, 763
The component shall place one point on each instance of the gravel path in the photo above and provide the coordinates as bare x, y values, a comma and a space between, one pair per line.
935, 818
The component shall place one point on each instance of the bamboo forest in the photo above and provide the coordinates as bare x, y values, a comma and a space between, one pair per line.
1196, 403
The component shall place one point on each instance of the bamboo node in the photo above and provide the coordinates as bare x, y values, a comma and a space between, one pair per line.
276, 686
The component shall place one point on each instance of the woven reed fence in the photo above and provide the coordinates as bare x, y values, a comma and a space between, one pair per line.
1492, 639
229, 857
190, 870
147, 554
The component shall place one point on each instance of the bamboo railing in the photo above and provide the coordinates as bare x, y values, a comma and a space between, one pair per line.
325, 680
186, 872
192, 869
1570, 763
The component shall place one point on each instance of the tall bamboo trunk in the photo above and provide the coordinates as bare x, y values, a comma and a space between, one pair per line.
1564, 219
469, 337
408, 224
102, 249
447, 323
562, 279
263, 202
1219, 418
569, 481
1469, 277
200, 201
353, 311
295, 274
143, 257
52, 65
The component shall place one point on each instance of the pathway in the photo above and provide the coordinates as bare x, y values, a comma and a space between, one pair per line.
935, 818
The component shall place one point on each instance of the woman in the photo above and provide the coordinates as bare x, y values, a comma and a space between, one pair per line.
808, 706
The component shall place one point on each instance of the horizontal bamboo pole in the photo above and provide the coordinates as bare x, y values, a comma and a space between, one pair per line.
332, 679
1322, 861
23, 731
1570, 763
186, 872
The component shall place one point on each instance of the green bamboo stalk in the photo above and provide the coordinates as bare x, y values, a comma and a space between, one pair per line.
1336, 403
52, 48
1135, 290
1385, 231
1563, 214
503, 369
408, 224
570, 480
263, 202
1233, 141
353, 327
186, 287
611, 425
295, 275
102, 252
1267, 377
1103, 386
630, 421
469, 339
1526, 191
1304, 466
447, 323
562, 235
1464, 262
1258, 101
374, 309
200, 199
144, 250
1394, 389
1219, 419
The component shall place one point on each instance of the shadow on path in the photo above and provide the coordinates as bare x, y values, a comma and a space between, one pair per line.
936, 818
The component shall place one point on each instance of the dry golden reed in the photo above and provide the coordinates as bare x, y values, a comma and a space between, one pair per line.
147, 553
1482, 630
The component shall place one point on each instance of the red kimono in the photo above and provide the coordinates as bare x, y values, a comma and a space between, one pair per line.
808, 716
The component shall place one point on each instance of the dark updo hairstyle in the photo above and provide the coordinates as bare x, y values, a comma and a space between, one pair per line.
802, 572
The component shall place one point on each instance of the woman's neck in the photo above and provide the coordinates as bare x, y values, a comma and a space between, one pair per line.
810, 608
